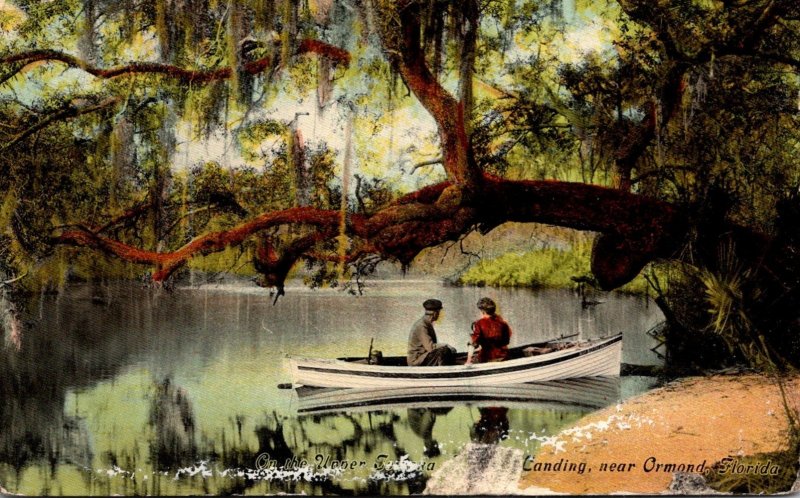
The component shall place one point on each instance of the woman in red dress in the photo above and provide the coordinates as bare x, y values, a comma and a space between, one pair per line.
491, 333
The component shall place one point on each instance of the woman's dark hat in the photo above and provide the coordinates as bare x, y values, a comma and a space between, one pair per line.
432, 305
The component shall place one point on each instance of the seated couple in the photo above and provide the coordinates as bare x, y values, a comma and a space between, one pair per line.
491, 334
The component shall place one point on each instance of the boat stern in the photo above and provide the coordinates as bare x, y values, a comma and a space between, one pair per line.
294, 371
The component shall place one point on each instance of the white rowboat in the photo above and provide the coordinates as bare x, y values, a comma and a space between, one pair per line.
599, 357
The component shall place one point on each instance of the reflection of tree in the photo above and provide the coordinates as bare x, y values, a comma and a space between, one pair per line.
75, 447
34, 382
172, 419
322, 422
372, 433
36, 379
271, 439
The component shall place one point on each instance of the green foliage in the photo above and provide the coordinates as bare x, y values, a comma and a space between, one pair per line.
233, 260
324, 192
545, 267
733, 298
251, 136
372, 194
557, 95
724, 296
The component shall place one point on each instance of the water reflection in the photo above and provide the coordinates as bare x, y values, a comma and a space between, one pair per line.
492, 427
124, 393
421, 421
172, 420
589, 393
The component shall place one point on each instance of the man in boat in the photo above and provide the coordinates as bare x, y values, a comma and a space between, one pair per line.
422, 347
491, 333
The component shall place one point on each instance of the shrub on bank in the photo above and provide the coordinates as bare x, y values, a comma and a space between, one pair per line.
541, 268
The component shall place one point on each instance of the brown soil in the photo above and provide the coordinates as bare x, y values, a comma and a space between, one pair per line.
686, 422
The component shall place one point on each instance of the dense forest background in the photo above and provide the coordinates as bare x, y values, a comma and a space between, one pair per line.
142, 137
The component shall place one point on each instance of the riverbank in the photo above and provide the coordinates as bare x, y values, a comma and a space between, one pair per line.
543, 267
691, 422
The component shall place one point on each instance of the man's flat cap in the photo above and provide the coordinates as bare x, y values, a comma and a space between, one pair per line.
432, 305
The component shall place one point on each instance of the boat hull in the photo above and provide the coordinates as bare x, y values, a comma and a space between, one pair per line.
600, 358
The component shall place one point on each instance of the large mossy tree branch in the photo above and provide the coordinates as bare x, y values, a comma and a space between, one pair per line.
634, 229
67, 111
305, 46
73, 109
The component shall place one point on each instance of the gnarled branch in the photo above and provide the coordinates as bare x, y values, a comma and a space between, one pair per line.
422, 164
635, 228
68, 111
403, 46
14, 279
306, 46
167, 262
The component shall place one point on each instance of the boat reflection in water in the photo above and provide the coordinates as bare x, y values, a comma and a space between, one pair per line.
585, 392
472, 435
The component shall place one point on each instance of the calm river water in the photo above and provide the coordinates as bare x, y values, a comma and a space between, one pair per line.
121, 390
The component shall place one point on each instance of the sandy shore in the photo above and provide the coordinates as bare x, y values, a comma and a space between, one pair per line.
691, 421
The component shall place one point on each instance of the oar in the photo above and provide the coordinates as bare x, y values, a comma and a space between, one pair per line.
470, 352
369, 355
470, 347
